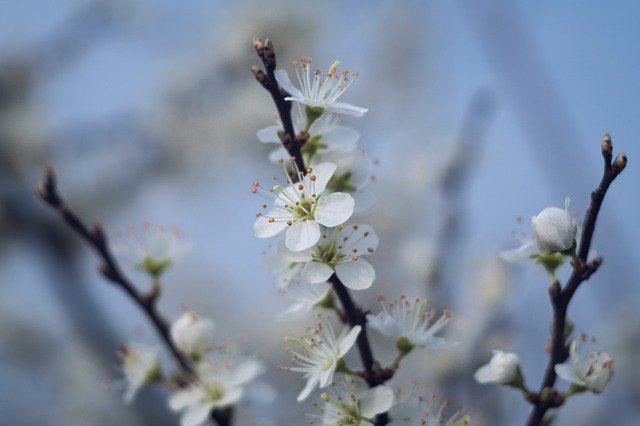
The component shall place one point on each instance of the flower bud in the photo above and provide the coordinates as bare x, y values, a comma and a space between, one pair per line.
192, 334
554, 229
504, 368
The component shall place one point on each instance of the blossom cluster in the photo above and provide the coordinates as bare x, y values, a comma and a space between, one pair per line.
220, 374
322, 246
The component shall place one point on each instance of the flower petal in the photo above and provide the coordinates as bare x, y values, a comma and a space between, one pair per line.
341, 138
262, 228
316, 272
566, 372
294, 256
196, 414
312, 381
357, 275
248, 370
348, 340
302, 235
364, 201
269, 134
347, 109
322, 173
283, 79
384, 324
184, 397
334, 209
375, 401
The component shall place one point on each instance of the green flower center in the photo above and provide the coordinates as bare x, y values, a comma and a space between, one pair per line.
214, 391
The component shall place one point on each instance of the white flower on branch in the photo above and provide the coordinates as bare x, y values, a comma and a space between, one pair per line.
140, 365
320, 355
339, 250
503, 368
325, 136
302, 207
317, 91
220, 383
192, 334
591, 372
409, 324
152, 249
351, 402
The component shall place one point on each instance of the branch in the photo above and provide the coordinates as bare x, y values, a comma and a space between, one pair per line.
582, 270
110, 269
264, 49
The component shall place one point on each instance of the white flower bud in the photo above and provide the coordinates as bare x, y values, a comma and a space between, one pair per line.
140, 365
192, 334
503, 368
554, 229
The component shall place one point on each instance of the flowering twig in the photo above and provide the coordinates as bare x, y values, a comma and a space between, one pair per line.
110, 269
560, 297
292, 143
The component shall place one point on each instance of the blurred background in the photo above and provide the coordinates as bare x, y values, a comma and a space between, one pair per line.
481, 114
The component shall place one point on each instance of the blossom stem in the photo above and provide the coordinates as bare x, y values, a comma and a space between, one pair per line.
110, 269
355, 316
582, 270
264, 49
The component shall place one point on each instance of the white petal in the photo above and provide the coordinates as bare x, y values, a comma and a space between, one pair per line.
182, 398
246, 372
326, 377
484, 375
230, 397
293, 310
364, 201
279, 154
340, 138
566, 372
269, 134
316, 272
294, 256
375, 401
357, 275
262, 228
358, 240
323, 173
283, 79
302, 235
384, 324
348, 109
308, 388
520, 254
196, 414
348, 340
334, 209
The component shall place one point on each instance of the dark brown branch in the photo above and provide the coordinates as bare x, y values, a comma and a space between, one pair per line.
264, 49
373, 374
110, 269
582, 270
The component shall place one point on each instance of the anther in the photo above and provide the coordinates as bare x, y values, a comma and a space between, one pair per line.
271, 220
354, 258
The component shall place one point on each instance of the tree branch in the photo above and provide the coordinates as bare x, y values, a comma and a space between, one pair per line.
264, 49
561, 297
110, 269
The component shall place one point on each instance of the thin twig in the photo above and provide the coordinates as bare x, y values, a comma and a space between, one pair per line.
264, 49
110, 269
547, 397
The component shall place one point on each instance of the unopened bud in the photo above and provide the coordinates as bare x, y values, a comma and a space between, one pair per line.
619, 163
606, 146
258, 74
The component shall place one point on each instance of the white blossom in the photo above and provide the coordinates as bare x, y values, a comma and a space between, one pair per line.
192, 334
339, 250
140, 365
302, 207
503, 368
593, 371
317, 91
325, 137
411, 320
320, 354
151, 249
351, 402
307, 297
554, 229
220, 383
